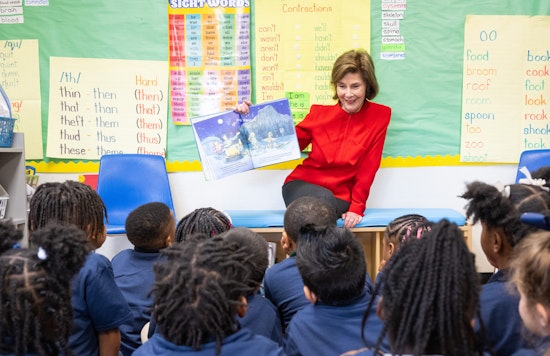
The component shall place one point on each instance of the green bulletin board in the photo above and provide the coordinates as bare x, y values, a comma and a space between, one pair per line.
424, 90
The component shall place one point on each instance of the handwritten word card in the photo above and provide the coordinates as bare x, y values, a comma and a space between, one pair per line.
506, 87
105, 106
20, 78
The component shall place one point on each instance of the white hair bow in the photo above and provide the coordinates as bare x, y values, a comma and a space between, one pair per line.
530, 180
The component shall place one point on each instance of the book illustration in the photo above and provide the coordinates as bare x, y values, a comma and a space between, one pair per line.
230, 143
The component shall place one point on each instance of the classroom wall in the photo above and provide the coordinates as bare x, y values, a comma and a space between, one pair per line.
422, 187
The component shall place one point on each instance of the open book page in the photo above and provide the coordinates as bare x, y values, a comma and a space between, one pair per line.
231, 143
270, 134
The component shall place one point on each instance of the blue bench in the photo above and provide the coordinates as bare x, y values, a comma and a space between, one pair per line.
269, 224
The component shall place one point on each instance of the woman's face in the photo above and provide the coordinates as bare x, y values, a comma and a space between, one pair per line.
351, 91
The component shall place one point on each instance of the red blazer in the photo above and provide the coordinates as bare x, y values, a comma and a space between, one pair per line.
346, 150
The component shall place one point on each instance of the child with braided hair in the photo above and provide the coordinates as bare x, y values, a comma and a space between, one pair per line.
35, 288
430, 297
499, 211
261, 317
99, 308
207, 221
198, 292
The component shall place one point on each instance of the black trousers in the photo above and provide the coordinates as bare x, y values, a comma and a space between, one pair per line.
298, 188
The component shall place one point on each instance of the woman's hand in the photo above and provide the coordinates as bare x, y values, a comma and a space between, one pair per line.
351, 219
244, 107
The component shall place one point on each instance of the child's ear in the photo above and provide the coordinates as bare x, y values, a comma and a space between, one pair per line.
168, 241
391, 248
543, 316
287, 244
241, 309
310, 295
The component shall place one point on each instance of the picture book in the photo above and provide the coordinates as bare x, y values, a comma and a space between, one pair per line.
230, 143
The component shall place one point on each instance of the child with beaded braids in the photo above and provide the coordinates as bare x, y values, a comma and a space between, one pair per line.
99, 308
499, 211
35, 289
430, 297
199, 291
207, 221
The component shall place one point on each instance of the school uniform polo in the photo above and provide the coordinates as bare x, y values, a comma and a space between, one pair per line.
98, 305
321, 329
134, 275
262, 318
243, 342
500, 315
284, 287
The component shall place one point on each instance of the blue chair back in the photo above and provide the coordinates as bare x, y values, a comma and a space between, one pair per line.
126, 181
533, 160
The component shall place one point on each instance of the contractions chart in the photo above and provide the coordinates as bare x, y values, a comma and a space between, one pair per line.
105, 106
506, 87
296, 44
209, 56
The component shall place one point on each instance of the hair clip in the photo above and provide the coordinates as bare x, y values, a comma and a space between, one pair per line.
530, 180
16, 246
41, 254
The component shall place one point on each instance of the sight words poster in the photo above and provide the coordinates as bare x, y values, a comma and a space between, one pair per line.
209, 56
296, 44
506, 87
105, 106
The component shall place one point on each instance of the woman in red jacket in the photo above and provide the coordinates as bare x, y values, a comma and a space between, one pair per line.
346, 140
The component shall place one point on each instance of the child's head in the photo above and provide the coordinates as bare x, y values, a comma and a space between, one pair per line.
530, 272
35, 292
499, 211
255, 248
203, 220
200, 290
151, 226
331, 263
69, 203
305, 211
401, 229
430, 295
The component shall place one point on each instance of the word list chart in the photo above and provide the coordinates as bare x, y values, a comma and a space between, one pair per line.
20, 78
296, 44
506, 87
209, 57
106, 106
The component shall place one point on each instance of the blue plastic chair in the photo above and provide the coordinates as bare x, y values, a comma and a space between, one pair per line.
533, 160
126, 181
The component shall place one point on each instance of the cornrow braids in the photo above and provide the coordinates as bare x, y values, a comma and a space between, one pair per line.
35, 291
404, 227
431, 294
148, 225
197, 291
70, 202
503, 208
208, 221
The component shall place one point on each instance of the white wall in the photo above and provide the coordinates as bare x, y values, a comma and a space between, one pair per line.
422, 187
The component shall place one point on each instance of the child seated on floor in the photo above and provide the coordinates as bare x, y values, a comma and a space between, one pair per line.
199, 291
283, 284
332, 264
261, 315
35, 288
150, 228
